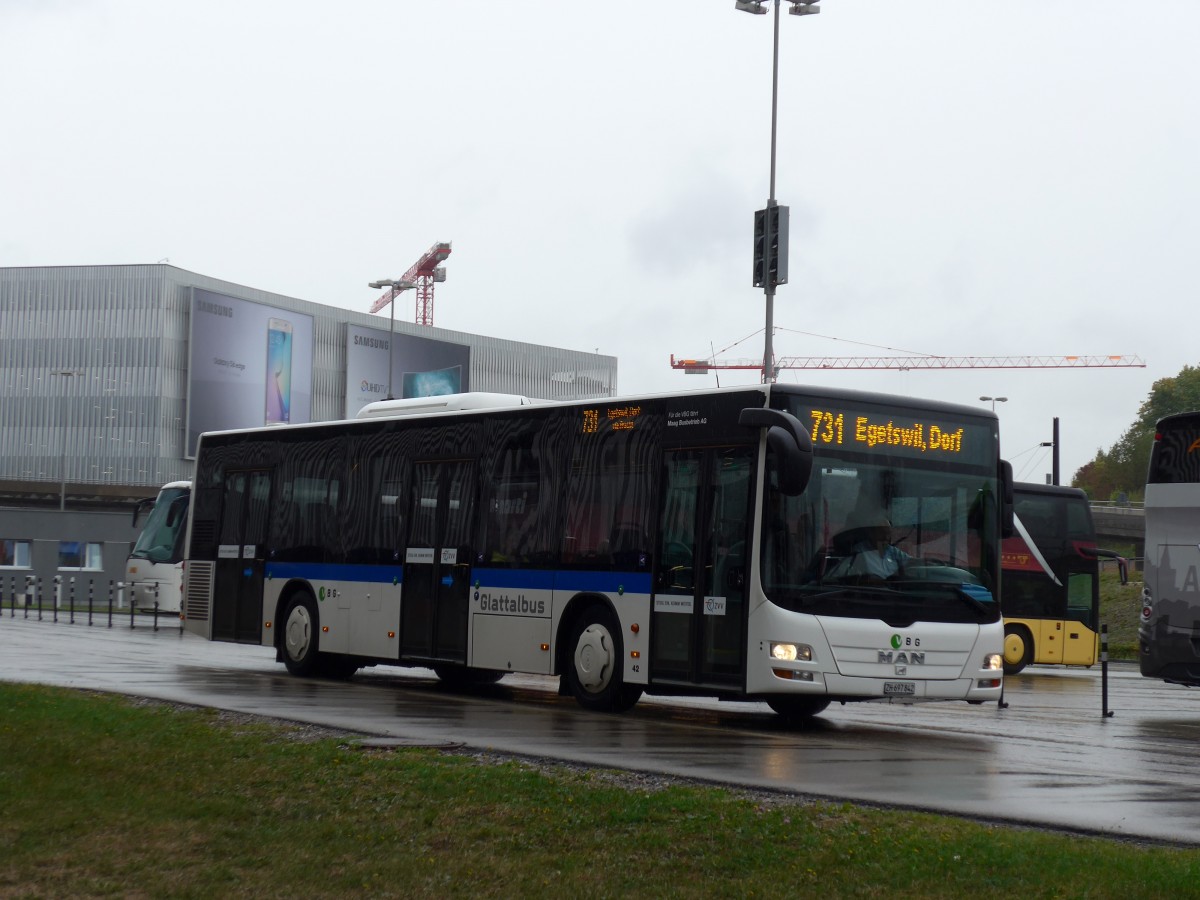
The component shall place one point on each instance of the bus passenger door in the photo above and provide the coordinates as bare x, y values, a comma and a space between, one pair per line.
437, 564
698, 634
237, 612
1081, 630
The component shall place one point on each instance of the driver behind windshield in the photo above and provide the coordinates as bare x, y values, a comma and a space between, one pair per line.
866, 542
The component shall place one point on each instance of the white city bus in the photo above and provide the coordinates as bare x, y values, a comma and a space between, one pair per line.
1169, 630
154, 569
698, 543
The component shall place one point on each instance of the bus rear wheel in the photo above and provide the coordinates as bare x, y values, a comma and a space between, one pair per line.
594, 669
1018, 648
300, 635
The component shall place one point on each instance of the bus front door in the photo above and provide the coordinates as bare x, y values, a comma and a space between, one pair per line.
241, 555
699, 609
437, 564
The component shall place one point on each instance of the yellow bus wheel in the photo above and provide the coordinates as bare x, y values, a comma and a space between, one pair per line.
1018, 648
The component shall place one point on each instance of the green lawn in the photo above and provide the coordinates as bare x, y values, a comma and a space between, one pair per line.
1120, 608
109, 797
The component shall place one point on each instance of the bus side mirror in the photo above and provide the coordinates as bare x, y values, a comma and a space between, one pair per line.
1007, 503
788, 442
139, 506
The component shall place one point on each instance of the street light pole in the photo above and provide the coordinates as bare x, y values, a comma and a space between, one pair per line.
62, 450
771, 224
994, 400
398, 286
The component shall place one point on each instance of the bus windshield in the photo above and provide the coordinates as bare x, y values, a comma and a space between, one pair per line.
883, 533
161, 540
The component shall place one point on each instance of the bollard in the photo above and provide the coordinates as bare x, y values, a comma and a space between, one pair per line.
37, 592
91, 597
132, 607
57, 596
156, 610
1107, 713
110, 600
72, 599
28, 588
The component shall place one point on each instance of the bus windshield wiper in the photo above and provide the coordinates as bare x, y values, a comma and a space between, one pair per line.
856, 590
958, 590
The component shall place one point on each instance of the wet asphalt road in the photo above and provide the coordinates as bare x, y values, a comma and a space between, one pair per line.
1049, 759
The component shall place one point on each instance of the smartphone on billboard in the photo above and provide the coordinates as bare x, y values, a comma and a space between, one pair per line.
279, 371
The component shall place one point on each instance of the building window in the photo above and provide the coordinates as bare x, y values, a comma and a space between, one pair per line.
14, 554
79, 555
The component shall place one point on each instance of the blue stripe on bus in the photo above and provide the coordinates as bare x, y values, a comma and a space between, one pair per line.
563, 580
525, 579
334, 572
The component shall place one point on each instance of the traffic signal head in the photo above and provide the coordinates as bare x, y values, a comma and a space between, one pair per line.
771, 246
777, 244
760, 247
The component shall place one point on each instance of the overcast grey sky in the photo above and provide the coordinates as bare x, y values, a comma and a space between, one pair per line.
965, 177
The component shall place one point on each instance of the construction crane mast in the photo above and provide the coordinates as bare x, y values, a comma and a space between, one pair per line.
906, 363
423, 275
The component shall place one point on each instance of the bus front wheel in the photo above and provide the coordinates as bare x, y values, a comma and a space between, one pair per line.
1018, 648
797, 710
300, 630
594, 670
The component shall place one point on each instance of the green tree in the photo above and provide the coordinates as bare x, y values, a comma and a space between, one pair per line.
1122, 469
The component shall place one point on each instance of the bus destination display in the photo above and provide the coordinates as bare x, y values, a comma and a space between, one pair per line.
612, 418
864, 431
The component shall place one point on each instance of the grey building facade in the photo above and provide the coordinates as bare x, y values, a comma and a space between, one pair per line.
103, 368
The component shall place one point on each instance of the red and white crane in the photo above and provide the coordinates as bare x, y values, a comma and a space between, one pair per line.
423, 275
905, 363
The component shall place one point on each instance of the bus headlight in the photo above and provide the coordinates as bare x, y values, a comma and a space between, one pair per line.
993, 662
791, 652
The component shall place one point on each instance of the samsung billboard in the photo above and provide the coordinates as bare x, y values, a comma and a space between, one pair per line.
419, 367
249, 365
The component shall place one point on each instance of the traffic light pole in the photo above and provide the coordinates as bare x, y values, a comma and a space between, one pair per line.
768, 372
771, 229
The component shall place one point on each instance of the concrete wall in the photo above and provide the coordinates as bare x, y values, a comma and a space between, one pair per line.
45, 528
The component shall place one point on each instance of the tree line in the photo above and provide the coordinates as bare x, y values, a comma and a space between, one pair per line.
1120, 472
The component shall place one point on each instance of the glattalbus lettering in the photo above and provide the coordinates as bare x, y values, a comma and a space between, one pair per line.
512, 606
916, 436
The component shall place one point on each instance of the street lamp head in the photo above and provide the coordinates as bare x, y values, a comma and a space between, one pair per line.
751, 6
801, 8
398, 284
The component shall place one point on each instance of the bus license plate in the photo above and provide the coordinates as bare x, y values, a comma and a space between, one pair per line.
899, 688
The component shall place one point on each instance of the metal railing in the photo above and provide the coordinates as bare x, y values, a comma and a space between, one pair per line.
65, 597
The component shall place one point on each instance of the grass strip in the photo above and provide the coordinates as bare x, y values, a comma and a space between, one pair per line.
103, 796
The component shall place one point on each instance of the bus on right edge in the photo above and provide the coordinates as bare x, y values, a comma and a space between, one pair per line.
1169, 629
